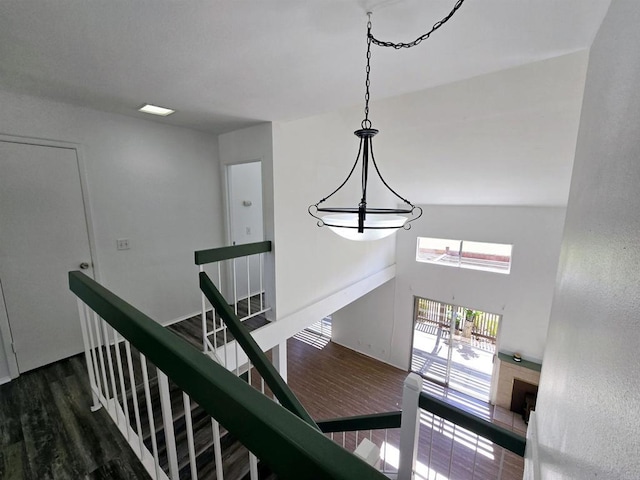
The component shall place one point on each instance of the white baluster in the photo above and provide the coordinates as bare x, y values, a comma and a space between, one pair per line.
94, 356
217, 448
203, 304
99, 344
253, 466
226, 343
152, 426
123, 392
112, 377
87, 355
431, 440
189, 423
386, 441
248, 260
261, 260
501, 464
167, 421
134, 396
453, 442
475, 458
235, 288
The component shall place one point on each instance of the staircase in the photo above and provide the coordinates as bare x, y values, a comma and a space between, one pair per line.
234, 455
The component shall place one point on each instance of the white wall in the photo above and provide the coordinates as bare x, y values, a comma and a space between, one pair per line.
587, 410
523, 297
505, 140
157, 185
366, 325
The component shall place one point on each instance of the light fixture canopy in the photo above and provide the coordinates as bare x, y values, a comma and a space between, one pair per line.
156, 110
363, 222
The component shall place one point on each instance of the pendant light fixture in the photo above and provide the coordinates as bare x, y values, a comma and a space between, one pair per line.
363, 222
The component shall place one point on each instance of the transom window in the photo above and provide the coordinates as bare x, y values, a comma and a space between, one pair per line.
491, 257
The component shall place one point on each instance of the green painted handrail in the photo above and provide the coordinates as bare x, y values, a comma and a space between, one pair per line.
376, 421
292, 448
498, 435
259, 360
211, 255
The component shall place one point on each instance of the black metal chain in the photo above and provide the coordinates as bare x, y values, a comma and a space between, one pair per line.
366, 123
398, 46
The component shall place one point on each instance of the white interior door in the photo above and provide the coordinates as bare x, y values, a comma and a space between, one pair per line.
245, 217
43, 235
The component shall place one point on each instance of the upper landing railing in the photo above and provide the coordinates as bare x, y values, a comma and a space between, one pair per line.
256, 356
239, 274
431, 439
291, 447
288, 442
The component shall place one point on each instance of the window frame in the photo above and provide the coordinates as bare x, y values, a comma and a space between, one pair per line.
463, 261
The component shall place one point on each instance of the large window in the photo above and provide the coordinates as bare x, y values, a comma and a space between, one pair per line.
492, 257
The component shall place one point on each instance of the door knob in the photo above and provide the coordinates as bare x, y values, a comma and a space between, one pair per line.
84, 265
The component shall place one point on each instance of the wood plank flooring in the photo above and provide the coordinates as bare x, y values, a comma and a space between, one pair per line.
334, 381
47, 430
337, 382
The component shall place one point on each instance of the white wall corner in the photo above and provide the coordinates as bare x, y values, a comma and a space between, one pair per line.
531, 457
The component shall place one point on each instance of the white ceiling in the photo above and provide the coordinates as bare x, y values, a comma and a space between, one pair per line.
229, 63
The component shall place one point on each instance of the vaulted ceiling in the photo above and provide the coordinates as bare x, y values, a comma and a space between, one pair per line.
225, 64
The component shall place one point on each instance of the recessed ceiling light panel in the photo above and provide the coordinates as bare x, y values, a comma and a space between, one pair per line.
156, 110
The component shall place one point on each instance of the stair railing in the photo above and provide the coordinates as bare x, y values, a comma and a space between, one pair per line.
185, 378
246, 298
381, 429
253, 351
432, 439
427, 419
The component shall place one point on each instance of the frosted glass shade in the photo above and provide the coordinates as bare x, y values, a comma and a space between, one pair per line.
341, 223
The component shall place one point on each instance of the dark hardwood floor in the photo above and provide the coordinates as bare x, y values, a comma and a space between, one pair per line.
47, 430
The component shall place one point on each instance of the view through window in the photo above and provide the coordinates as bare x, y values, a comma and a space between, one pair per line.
492, 257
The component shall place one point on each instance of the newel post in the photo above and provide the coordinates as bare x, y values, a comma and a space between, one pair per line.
410, 426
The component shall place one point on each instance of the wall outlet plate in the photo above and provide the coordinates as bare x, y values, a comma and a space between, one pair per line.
123, 244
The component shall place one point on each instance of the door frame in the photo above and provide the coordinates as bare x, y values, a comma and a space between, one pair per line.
226, 273
226, 192
452, 340
5, 327
447, 375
